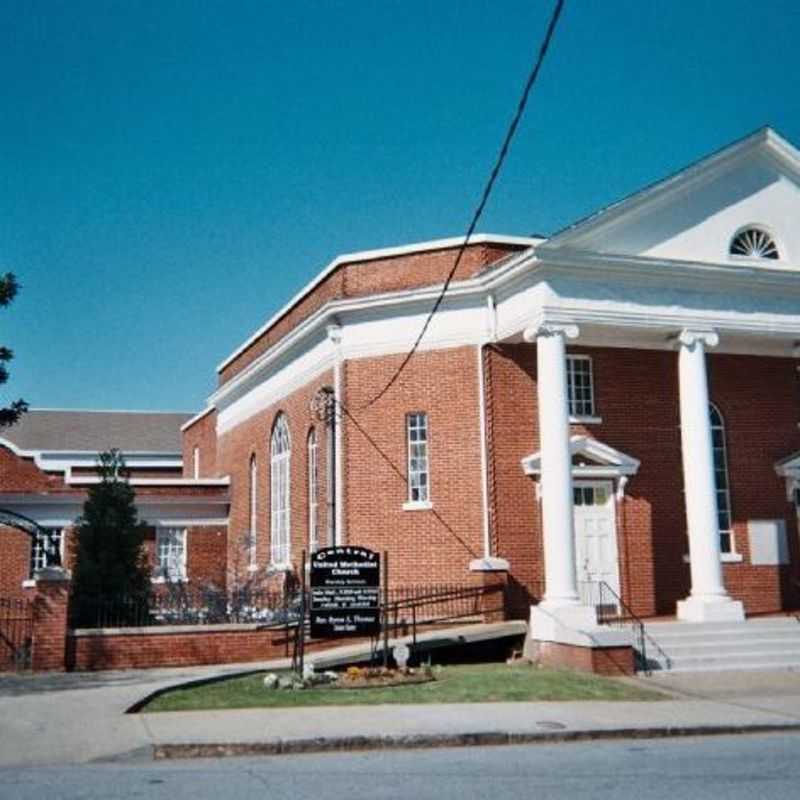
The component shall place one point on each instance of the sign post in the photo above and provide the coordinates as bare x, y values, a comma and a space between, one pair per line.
345, 592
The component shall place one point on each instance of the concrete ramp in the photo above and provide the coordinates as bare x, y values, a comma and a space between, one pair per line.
462, 635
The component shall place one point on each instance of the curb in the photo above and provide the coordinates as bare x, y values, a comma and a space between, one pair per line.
439, 740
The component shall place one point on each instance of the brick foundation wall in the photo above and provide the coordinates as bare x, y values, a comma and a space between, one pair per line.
135, 650
610, 661
144, 648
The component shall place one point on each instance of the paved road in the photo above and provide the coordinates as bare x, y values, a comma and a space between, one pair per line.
766, 767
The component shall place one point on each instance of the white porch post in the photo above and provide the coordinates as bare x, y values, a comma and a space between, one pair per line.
561, 606
708, 599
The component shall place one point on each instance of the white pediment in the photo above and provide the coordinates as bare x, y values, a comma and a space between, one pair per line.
693, 215
590, 458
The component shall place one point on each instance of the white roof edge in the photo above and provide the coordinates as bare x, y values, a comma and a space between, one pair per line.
197, 417
105, 410
91, 480
17, 450
763, 135
372, 255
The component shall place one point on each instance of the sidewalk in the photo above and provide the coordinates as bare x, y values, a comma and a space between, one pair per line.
79, 718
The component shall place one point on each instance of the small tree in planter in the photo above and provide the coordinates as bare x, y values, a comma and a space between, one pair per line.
111, 574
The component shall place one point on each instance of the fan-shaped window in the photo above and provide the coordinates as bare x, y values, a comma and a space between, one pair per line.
754, 243
280, 460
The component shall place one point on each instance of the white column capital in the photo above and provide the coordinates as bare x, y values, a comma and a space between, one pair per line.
569, 330
689, 337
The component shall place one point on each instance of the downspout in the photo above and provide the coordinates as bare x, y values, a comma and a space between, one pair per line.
491, 335
335, 336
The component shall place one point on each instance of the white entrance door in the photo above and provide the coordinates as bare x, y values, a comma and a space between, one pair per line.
596, 535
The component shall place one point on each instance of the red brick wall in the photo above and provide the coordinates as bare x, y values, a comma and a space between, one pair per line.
759, 399
203, 435
424, 546
165, 647
362, 278
133, 650
636, 394
22, 475
15, 556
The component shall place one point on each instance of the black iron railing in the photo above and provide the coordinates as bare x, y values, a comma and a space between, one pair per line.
16, 634
182, 605
613, 612
414, 607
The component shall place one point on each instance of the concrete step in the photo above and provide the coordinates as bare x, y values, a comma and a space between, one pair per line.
750, 661
731, 648
769, 644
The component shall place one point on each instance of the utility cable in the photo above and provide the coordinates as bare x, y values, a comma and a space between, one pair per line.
512, 129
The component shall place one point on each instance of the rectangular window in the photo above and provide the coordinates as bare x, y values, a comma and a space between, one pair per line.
418, 476
580, 386
170, 554
41, 554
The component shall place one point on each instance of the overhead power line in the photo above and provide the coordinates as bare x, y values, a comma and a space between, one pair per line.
501, 157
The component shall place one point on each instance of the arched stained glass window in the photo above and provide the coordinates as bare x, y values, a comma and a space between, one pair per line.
313, 492
253, 532
280, 486
721, 478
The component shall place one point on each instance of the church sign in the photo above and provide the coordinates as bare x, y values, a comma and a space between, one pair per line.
345, 592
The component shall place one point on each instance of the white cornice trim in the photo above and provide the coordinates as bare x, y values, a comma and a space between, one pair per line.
404, 299
185, 482
373, 255
528, 267
63, 461
197, 417
668, 270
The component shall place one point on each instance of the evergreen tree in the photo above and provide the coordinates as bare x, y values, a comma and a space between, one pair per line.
110, 558
10, 414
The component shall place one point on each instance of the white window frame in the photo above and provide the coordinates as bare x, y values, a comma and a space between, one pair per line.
252, 539
588, 412
280, 492
39, 559
313, 492
196, 462
723, 494
170, 560
418, 461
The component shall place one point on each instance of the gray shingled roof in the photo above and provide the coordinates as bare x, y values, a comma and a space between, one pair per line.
96, 431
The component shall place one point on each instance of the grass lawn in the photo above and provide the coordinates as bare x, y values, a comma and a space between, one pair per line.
472, 683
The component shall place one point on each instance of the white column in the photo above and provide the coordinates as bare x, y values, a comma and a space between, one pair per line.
708, 599
561, 607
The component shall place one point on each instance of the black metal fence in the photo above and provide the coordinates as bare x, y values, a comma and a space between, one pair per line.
407, 607
16, 634
182, 605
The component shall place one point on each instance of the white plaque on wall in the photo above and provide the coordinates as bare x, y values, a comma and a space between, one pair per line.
768, 545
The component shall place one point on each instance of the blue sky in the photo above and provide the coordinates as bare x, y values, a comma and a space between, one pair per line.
172, 172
